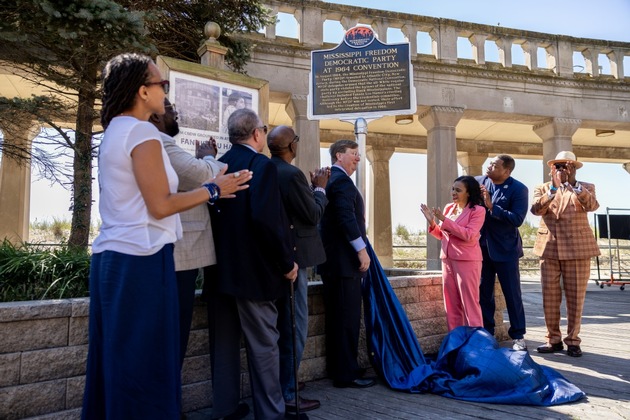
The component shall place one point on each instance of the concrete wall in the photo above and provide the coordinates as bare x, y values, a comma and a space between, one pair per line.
43, 349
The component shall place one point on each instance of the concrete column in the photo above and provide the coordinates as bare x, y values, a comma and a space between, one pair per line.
478, 43
556, 135
307, 158
591, 60
411, 36
565, 59
380, 28
530, 51
348, 22
380, 215
310, 26
505, 51
616, 63
552, 58
270, 31
444, 44
473, 163
440, 123
15, 184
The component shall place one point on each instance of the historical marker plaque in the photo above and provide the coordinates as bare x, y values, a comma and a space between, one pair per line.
361, 77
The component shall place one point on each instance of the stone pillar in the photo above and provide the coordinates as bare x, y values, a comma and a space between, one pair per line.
310, 26
616, 63
473, 163
591, 60
380, 28
307, 158
440, 123
556, 136
411, 36
211, 53
444, 44
270, 31
380, 215
478, 43
505, 51
565, 59
15, 183
530, 51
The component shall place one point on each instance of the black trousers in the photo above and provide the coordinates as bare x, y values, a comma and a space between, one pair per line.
342, 299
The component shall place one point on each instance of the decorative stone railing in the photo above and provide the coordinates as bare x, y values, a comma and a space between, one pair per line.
559, 51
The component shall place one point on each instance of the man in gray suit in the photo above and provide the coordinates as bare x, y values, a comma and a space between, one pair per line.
196, 247
304, 206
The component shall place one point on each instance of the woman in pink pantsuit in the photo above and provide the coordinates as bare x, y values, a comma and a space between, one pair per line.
458, 230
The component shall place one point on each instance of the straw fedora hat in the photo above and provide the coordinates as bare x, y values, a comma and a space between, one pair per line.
565, 157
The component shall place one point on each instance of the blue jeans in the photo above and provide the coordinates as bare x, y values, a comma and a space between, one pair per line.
285, 343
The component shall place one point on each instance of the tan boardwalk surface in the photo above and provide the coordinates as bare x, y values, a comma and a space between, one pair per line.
603, 373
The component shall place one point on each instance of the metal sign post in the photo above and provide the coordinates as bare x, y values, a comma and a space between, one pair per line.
360, 133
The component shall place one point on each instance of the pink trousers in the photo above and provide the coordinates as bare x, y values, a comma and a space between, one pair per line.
460, 284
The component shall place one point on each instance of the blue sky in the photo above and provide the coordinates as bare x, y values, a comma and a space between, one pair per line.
579, 18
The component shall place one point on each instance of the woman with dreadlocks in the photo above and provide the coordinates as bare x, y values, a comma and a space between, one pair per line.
133, 356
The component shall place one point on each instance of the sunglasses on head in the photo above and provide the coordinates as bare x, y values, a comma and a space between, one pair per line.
560, 166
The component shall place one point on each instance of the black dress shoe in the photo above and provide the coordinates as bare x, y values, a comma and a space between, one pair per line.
574, 351
294, 416
357, 383
550, 348
305, 405
241, 411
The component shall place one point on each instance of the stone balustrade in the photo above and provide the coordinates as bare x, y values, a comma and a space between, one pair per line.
559, 51
43, 348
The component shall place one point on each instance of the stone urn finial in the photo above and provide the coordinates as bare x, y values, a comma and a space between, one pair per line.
212, 30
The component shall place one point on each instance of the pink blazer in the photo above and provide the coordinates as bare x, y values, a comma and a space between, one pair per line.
460, 238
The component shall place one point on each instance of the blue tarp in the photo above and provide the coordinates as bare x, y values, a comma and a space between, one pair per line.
470, 365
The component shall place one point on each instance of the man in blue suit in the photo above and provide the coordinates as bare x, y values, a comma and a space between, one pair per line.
255, 261
505, 199
343, 234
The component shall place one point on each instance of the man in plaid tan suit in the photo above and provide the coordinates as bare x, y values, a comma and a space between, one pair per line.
565, 245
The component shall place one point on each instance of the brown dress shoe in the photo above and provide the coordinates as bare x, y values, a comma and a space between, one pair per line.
550, 348
305, 405
574, 351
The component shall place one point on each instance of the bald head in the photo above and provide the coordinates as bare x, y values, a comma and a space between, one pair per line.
280, 138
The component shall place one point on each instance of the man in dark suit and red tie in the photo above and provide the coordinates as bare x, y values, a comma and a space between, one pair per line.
304, 206
255, 262
343, 233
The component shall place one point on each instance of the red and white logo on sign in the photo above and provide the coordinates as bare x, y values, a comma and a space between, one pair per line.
359, 36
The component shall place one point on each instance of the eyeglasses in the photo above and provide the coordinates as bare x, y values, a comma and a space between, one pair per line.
560, 166
263, 128
295, 139
166, 85
171, 106
354, 154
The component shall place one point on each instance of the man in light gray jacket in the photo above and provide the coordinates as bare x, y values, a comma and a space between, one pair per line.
195, 249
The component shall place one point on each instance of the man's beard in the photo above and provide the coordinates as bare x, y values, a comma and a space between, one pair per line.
172, 129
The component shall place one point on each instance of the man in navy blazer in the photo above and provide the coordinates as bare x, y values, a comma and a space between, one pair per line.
255, 260
505, 199
343, 234
304, 206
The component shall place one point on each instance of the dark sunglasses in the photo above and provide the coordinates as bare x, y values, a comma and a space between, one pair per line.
560, 166
166, 85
